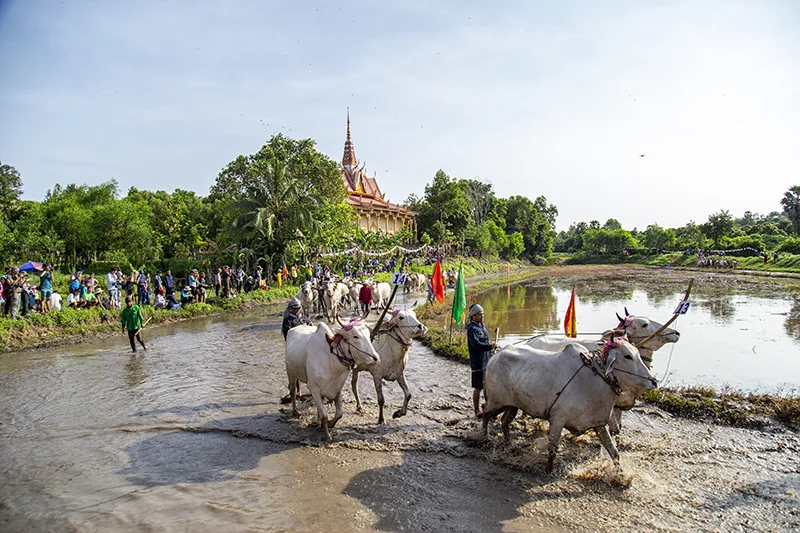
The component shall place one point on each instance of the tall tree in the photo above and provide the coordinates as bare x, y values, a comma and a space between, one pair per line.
718, 226
791, 207
10, 190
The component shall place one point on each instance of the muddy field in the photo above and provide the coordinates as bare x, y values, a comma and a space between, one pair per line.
192, 436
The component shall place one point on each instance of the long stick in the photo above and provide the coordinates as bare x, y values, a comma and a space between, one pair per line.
143, 325
671, 320
386, 307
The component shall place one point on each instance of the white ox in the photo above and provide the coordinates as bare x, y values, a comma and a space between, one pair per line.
637, 329
335, 296
308, 297
381, 292
573, 389
317, 357
416, 282
392, 342
355, 289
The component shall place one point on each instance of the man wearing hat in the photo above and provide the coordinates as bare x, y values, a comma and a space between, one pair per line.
480, 348
293, 316
365, 297
132, 322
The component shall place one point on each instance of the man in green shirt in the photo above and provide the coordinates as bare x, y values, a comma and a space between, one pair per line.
133, 320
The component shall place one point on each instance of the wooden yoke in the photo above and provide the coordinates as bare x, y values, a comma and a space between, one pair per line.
671, 320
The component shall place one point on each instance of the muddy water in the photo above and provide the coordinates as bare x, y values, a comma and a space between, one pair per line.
190, 436
736, 339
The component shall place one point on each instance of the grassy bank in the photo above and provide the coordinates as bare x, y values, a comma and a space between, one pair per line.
73, 325
725, 407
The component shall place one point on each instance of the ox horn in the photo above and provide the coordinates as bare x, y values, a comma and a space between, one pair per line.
339, 320
621, 320
626, 311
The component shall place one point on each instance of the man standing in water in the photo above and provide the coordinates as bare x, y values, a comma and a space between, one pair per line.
132, 321
480, 348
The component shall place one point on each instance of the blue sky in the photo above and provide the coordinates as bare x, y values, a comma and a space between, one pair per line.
539, 98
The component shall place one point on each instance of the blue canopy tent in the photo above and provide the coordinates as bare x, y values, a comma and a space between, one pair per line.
31, 266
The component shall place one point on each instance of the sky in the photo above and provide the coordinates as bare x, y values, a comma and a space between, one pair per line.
646, 112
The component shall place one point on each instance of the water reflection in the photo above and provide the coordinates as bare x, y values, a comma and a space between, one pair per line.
721, 307
719, 334
521, 308
792, 324
134, 374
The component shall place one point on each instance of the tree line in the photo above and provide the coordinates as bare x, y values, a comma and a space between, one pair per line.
776, 231
467, 212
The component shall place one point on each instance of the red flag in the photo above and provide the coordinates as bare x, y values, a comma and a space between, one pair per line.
570, 327
437, 282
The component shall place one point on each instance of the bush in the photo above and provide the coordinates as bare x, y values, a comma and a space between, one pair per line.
790, 245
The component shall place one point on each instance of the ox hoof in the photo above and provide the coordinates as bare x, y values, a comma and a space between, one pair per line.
359, 410
398, 413
381, 420
295, 413
332, 423
286, 399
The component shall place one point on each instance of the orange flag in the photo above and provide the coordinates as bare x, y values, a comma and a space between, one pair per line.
437, 282
570, 327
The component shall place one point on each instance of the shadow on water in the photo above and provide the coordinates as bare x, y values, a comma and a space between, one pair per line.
209, 453
457, 494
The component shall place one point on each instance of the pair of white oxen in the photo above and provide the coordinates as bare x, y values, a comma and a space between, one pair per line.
572, 383
338, 294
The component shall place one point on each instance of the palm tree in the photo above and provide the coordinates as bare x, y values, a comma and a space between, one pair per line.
281, 206
791, 206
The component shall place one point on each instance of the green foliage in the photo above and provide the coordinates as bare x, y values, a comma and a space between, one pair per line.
719, 225
791, 207
657, 238
445, 212
790, 245
603, 241
10, 190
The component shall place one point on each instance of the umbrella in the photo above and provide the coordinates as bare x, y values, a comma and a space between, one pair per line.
32, 266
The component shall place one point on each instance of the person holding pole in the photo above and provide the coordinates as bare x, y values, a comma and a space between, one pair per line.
133, 321
480, 348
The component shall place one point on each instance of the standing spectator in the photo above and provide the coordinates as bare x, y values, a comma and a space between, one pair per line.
158, 283
218, 281
192, 281
257, 277
133, 321
92, 282
16, 279
6, 292
130, 284
46, 287
169, 282
365, 298
201, 288
113, 287
294, 274
239, 279
225, 280
141, 283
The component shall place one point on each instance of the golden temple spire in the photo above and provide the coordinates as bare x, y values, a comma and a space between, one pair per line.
349, 160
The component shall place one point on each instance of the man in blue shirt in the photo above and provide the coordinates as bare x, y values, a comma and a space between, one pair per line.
480, 349
46, 287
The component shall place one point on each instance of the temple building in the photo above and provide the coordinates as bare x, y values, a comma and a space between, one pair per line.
375, 212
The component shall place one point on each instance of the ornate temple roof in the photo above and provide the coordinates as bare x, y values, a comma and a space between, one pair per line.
362, 190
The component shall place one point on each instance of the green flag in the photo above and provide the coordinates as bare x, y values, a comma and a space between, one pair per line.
460, 297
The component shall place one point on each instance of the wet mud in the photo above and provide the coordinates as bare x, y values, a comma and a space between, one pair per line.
191, 436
